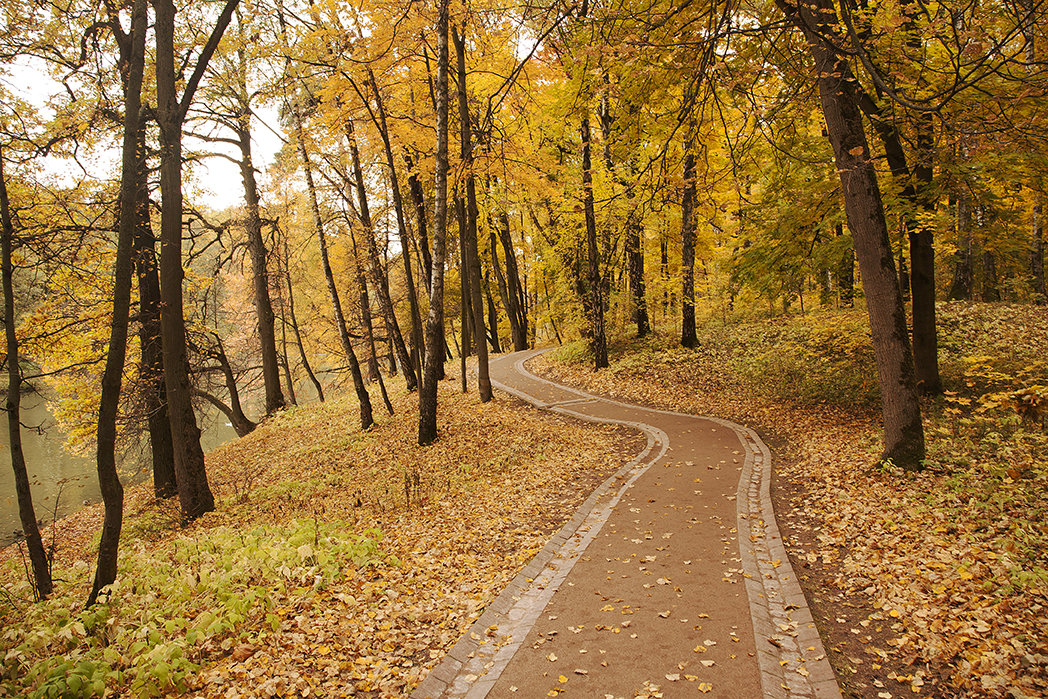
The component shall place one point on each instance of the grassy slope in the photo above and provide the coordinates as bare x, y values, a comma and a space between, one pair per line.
315, 572
952, 562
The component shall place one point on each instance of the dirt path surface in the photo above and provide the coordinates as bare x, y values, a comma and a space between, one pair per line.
670, 580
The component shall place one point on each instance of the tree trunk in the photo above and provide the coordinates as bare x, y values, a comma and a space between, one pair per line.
365, 312
493, 318
599, 343
922, 266
517, 309
991, 291
366, 417
961, 287
112, 491
285, 362
235, 412
259, 273
687, 263
379, 280
194, 493
403, 228
42, 586
903, 430
472, 259
1037, 254
418, 199
635, 261
465, 298
151, 364
427, 399
294, 324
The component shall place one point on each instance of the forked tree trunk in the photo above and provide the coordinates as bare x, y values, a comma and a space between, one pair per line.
903, 430
427, 399
42, 586
687, 263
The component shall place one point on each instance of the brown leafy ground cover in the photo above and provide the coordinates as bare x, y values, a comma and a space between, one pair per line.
338, 563
928, 584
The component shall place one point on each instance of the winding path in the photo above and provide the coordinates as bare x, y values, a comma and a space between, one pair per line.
670, 580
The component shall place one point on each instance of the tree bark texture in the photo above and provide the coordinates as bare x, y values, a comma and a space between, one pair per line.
42, 586
963, 268
903, 429
427, 399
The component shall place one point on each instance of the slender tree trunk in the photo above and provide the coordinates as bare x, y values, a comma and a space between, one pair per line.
285, 362
365, 312
493, 318
366, 417
294, 325
133, 62
378, 277
418, 199
903, 430
465, 298
991, 292
259, 272
599, 342
961, 287
234, 411
403, 228
1037, 253
472, 259
151, 364
922, 266
42, 586
427, 399
516, 309
687, 264
635, 261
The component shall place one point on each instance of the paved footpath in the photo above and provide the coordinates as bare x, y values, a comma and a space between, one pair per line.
670, 580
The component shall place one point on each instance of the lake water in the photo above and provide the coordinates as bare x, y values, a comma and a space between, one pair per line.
61, 482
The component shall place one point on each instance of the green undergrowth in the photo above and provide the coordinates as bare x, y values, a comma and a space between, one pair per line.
173, 604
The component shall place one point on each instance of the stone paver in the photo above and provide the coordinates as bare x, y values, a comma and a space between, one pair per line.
642, 588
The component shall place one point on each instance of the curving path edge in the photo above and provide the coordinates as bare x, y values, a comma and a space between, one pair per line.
790, 656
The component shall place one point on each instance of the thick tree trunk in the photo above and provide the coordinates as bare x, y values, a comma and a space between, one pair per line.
379, 280
366, 417
42, 586
259, 272
599, 342
472, 259
687, 263
903, 430
427, 399
194, 493
151, 364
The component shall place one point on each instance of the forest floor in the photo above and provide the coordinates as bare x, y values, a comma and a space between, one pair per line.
927, 584
337, 563
347, 563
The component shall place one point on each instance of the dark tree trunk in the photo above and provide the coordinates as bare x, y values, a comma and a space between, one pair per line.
259, 273
465, 297
379, 280
194, 493
635, 261
1037, 254
133, 63
961, 287
904, 273
234, 411
493, 319
687, 263
472, 259
427, 399
418, 199
991, 291
42, 586
903, 430
365, 313
599, 342
285, 362
151, 365
516, 308
922, 266
366, 417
